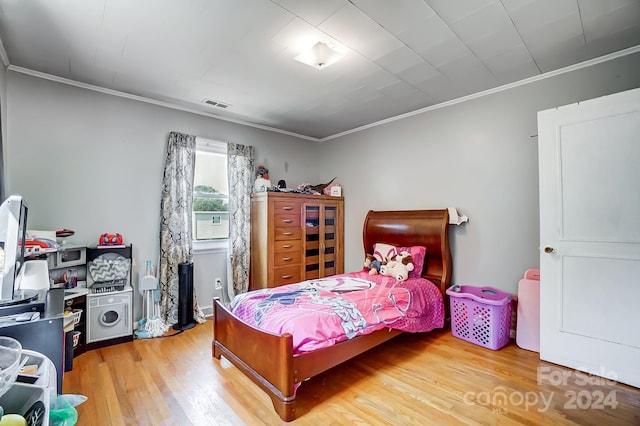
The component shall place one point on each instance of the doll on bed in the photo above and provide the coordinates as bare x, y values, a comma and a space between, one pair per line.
372, 264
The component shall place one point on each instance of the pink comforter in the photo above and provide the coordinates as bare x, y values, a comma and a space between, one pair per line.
319, 313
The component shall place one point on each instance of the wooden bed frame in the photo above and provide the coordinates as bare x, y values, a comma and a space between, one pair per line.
268, 358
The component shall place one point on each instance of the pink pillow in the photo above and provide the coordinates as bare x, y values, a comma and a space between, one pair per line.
418, 253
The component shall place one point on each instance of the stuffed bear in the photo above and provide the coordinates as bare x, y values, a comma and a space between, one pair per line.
399, 266
372, 264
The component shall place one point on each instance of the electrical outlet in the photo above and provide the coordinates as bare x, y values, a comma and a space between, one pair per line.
218, 284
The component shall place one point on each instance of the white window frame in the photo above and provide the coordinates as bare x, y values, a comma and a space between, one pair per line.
222, 244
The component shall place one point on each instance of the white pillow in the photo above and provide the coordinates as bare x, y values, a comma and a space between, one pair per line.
382, 251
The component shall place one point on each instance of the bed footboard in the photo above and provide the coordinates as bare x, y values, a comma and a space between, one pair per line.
268, 359
265, 358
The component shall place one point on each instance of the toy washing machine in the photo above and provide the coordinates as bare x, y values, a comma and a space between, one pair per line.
109, 316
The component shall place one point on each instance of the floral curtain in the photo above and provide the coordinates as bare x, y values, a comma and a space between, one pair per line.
240, 160
175, 223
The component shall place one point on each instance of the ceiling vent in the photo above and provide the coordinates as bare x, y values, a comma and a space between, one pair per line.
216, 103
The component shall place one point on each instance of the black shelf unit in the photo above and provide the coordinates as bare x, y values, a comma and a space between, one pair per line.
79, 302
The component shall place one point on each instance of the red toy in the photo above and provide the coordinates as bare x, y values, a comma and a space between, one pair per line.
110, 239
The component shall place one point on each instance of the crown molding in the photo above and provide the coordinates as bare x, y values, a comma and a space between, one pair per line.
567, 69
3, 55
570, 68
164, 104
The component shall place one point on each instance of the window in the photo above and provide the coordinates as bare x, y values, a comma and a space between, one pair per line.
210, 191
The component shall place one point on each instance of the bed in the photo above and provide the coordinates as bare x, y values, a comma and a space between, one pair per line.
269, 359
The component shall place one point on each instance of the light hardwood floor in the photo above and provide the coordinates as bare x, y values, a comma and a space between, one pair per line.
423, 379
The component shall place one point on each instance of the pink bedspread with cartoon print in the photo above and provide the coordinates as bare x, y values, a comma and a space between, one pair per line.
319, 313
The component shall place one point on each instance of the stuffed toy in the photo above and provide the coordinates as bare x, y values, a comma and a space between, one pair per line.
372, 264
262, 182
399, 266
381, 255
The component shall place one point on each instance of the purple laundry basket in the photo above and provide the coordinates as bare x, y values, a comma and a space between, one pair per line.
481, 315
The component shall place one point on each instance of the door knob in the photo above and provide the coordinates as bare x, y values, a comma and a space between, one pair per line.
548, 249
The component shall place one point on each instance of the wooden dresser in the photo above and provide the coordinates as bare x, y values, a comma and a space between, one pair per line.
295, 237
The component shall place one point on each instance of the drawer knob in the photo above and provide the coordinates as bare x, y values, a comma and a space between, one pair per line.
287, 246
287, 208
286, 277
287, 259
287, 220
287, 233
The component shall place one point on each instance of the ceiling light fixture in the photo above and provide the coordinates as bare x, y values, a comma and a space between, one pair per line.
320, 56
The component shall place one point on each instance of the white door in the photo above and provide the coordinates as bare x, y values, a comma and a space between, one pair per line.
589, 156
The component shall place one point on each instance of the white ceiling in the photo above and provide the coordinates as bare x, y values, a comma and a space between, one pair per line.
403, 55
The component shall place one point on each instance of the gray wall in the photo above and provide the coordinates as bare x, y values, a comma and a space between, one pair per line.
93, 162
479, 156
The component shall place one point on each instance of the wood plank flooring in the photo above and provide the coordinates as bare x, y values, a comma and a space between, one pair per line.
421, 379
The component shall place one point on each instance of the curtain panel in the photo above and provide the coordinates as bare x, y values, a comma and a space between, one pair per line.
240, 163
175, 223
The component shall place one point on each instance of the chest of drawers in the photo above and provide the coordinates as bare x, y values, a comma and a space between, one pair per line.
295, 237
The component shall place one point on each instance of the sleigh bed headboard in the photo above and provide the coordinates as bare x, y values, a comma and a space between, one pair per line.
428, 228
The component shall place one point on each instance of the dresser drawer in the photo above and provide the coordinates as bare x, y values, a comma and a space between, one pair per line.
286, 275
286, 207
287, 234
285, 259
287, 246
286, 220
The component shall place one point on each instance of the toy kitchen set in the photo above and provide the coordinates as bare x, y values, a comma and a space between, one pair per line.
97, 282
99, 276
